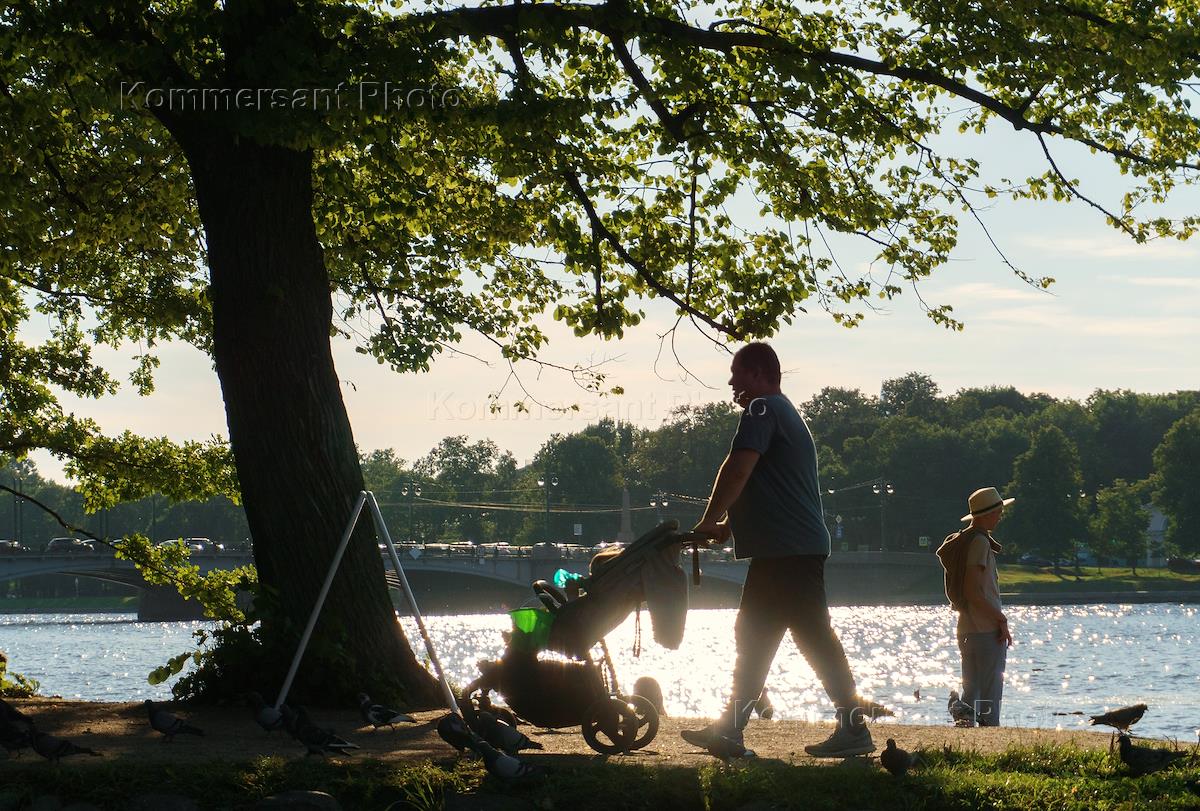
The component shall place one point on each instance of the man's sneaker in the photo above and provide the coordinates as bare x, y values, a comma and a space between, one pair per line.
718, 741
844, 742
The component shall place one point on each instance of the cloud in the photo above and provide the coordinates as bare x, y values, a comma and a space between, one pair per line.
985, 291
1059, 320
1111, 246
1171, 282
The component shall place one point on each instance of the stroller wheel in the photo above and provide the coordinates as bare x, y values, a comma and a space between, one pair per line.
647, 720
610, 726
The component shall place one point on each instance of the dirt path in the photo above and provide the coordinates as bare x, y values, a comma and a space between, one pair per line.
122, 731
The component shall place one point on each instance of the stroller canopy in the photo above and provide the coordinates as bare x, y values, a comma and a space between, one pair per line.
648, 569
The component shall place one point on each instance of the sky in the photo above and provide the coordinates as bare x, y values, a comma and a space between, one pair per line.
1120, 316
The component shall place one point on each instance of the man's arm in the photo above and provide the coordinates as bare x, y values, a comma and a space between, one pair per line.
979, 605
731, 480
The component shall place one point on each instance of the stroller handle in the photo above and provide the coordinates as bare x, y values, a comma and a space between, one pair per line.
694, 540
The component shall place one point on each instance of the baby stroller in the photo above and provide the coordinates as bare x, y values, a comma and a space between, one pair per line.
577, 688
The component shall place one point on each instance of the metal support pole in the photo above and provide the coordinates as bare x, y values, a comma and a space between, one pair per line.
381, 527
312, 618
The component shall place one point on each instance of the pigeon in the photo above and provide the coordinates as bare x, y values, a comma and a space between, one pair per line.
506, 767
454, 730
896, 760
14, 736
1121, 718
1145, 759
318, 741
378, 715
168, 723
502, 736
960, 711
52, 748
873, 710
648, 688
266, 716
483, 703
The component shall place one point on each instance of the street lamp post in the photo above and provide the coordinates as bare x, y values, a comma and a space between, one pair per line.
18, 483
658, 502
883, 489
545, 482
880, 487
412, 490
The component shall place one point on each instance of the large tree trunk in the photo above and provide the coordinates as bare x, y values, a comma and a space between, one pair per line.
291, 438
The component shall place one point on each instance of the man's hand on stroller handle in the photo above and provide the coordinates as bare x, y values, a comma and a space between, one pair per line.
715, 532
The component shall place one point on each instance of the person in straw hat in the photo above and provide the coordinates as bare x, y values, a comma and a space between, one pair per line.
972, 585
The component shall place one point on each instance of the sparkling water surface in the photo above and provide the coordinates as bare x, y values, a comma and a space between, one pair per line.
1068, 659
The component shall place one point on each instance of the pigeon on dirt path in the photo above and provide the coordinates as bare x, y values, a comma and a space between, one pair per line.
266, 716
1121, 718
316, 740
896, 760
502, 736
960, 711
53, 749
506, 767
378, 715
483, 703
1146, 759
168, 723
452, 729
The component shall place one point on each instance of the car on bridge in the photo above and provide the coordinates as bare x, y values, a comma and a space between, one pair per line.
204, 545
67, 546
12, 547
186, 544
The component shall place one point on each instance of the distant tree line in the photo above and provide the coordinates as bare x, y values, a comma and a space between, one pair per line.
896, 467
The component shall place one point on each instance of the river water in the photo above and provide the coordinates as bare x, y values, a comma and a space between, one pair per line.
1068, 659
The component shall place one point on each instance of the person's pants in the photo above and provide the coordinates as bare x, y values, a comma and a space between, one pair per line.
788, 594
983, 660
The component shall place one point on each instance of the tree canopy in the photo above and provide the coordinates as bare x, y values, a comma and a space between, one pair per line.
254, 175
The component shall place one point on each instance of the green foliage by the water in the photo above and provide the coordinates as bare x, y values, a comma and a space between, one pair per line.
1030, 580
1062, 778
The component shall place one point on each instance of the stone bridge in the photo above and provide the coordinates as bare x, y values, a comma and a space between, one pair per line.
464, 578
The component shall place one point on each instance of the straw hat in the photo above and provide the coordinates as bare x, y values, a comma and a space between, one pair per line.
983, 501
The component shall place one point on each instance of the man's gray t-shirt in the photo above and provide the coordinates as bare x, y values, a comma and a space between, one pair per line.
779, 511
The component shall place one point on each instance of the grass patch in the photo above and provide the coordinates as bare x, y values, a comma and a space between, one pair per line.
1029, 579
67, 605
1061, 778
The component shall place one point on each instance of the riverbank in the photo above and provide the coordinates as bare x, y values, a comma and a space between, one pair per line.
70, 605
235, 764
1019, 585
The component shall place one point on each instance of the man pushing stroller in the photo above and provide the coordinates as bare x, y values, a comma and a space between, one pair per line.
768, 496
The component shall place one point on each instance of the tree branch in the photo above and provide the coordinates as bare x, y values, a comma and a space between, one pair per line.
1079, 195
502, 22
643, 272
